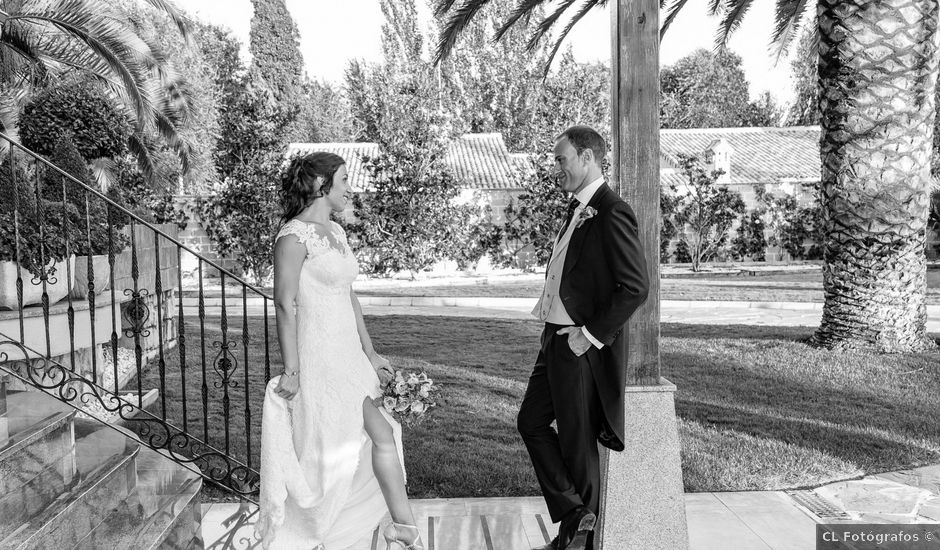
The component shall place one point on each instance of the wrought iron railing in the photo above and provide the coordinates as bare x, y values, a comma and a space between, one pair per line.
207, 411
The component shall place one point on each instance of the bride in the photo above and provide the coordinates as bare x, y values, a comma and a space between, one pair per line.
331, 462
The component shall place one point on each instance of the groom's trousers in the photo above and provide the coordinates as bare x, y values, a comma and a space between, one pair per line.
562, 389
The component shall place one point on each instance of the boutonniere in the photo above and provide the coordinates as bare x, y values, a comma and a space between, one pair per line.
586, 214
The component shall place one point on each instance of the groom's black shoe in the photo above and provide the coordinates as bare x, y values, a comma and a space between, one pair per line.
577, 527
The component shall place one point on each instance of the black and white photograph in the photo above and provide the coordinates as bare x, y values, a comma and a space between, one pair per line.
469, 275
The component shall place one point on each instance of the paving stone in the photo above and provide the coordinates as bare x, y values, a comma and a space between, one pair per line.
875, 496
927, 477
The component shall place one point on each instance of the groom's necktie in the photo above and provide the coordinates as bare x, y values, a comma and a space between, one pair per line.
572, 206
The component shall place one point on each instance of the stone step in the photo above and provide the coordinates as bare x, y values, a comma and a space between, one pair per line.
37, 460
162, 512
72, 482
105, 473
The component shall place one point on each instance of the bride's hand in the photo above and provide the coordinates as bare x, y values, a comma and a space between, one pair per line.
288, 386
382, 367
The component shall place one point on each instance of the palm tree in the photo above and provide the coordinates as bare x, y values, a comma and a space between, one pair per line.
40, 39
878, 68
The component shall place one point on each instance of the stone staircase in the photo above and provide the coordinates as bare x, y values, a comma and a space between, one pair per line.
72, 483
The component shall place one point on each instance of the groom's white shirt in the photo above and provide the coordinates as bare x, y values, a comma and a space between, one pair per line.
550, 307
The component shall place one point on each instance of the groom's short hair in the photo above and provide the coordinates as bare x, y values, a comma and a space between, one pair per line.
585, 137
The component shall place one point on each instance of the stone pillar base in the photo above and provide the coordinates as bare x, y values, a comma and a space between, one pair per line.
642, 504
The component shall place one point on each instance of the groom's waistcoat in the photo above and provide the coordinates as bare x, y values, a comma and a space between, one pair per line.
603, 280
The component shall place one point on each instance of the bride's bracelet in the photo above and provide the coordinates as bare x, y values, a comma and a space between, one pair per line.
290, 373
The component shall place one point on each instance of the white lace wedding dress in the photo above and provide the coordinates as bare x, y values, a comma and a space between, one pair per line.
317, 485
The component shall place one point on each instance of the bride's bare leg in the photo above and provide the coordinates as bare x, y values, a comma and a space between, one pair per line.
385, 464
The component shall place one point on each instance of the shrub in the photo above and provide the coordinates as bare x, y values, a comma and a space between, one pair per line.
243, 215
533, 218
409, 220
90, 236
705, 213
41, 232
933, 222
78, 108
750, 243
797, 229
139, 195
668, 204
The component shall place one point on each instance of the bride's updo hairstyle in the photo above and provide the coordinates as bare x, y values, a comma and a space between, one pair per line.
307, 178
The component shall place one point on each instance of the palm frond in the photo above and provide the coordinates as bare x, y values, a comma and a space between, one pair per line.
112, 43
443, 6
143, 153
183, 24
587, 7
522, 10
151, 103
455, 25
104, 170
789, 15
546, 25
19, 58
11, 104
735, 10
714, 7
671, 14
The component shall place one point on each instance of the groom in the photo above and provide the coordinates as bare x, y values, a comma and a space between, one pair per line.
596, 278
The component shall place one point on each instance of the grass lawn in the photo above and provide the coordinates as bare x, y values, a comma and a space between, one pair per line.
758, 408
793, 287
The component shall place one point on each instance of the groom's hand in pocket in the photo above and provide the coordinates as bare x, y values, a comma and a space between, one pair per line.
578, 343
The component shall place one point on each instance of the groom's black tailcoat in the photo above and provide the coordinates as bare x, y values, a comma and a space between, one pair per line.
604, 280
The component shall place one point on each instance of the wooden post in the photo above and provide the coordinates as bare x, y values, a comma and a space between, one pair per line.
635, 134
642, 502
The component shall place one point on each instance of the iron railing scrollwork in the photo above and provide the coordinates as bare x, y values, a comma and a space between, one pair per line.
121, 322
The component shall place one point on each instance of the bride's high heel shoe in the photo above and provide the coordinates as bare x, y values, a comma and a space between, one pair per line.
394, 540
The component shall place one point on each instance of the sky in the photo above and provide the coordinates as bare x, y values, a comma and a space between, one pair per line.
332, 32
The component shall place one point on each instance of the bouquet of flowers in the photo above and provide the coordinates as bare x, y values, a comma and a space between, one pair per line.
408, 397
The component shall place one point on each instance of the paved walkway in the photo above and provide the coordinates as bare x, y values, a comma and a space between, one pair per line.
759, 520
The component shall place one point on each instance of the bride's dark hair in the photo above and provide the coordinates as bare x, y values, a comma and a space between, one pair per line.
299, 181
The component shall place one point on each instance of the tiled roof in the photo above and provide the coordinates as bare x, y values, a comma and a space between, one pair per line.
479, 161
482, 161
761, 155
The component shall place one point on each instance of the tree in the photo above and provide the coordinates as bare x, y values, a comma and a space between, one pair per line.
242, 217
40, 40
935, 215
275, 52
325, 115
577, 93
749, 242
708, 90
192, 61
804, 111
794, 227
705, 212
252, 125
763, 111
402, 40
409, 218
77, 108
496, 86
877, 120
532, 218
